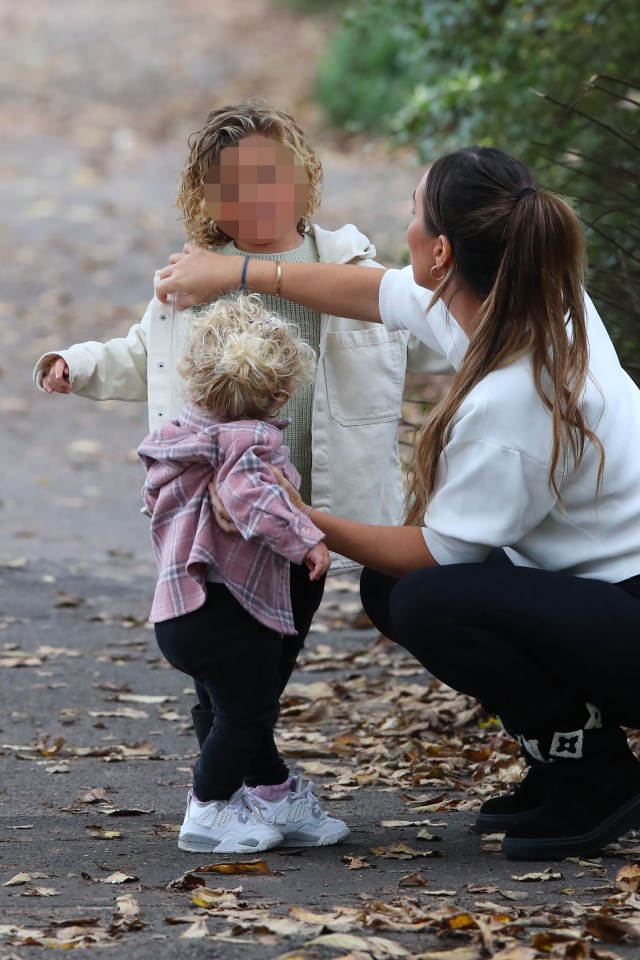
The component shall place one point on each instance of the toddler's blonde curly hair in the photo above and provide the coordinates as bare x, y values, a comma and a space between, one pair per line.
226, 127
242, 361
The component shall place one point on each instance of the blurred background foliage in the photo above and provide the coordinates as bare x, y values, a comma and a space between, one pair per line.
555, 82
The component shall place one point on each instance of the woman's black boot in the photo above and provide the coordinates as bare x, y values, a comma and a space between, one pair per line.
499, 814
592, 794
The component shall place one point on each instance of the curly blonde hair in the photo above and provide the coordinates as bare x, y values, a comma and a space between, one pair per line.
226, 127
242, 361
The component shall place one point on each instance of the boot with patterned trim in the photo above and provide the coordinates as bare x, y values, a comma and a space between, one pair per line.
591, 796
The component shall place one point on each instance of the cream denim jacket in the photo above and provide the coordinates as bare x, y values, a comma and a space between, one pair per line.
356, 469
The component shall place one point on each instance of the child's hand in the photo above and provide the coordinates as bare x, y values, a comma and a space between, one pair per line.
56, 379
318, 560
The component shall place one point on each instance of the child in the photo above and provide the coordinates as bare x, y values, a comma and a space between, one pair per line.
251, 184
238, 197
224, 609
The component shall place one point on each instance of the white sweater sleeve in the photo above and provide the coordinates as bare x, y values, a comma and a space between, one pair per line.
486, 496
405, 306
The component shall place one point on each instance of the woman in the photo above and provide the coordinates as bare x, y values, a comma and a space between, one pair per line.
529, 452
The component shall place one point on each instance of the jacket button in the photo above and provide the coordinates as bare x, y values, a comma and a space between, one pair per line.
161, 365
163, 316
160, 413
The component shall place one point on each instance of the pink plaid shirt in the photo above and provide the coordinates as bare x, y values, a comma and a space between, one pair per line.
181, 458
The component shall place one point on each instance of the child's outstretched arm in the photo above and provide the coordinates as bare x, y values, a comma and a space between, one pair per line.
115, 370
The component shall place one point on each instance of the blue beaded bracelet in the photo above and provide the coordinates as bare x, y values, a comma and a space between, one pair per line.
243, 278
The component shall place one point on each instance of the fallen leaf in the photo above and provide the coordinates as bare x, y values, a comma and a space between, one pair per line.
542, 876
516, 953
119, 877
413, 880
18, 879
377, 947
48, 747
96, 795
628, 878
458, 953
40, 892
251, 866
610, 929
104, 834
401, 851
355, 863
196, 931
188, 881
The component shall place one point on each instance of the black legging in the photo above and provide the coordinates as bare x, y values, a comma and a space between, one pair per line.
240, 667
531, 645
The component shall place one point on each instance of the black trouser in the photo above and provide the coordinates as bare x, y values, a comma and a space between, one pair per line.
531, 645
240, 669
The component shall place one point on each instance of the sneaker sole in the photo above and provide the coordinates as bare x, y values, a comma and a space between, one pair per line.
194, 843
332, 839
501, 822
557, 848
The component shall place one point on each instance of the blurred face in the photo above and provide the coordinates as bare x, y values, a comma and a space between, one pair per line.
257, 191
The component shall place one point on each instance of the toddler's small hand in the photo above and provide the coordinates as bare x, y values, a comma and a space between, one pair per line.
56, 379
318, 560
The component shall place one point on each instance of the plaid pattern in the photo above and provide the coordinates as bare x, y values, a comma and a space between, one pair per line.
181, 458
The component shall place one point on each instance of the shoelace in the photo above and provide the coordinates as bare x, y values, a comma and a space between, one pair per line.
245, 805
307, 792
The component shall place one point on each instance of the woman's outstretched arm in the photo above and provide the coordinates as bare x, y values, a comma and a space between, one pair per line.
198, 276
391, 550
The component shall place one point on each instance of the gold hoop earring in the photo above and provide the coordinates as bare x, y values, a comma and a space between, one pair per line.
433, 276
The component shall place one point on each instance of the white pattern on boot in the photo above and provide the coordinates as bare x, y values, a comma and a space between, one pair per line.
595, 717
532, 747
300, 819
222, 826
567, 744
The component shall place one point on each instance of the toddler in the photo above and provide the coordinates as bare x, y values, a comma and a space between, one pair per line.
229, 610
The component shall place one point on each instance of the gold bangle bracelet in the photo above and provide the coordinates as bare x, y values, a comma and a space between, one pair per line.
278, 278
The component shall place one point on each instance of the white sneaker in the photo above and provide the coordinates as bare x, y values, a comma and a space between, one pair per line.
300, 819
226, 827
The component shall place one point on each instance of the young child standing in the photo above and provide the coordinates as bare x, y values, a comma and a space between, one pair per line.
251, 185
226, 608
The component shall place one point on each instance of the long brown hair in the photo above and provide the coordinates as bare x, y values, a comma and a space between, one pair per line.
225, 127
521, 251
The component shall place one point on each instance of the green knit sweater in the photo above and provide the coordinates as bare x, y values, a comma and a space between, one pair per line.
299, 409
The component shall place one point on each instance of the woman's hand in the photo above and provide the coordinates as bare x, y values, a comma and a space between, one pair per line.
223, 519
296, 500
197, 276
318, 560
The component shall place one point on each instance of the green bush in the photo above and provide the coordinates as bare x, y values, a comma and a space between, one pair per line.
438, 75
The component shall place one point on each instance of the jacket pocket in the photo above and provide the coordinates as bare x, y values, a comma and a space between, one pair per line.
365, 371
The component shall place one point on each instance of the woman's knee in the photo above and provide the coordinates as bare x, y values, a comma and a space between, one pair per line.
423, 606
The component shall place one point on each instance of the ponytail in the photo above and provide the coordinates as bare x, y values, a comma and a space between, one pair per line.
520, 250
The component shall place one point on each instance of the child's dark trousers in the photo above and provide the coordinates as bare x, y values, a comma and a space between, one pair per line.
240, 669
